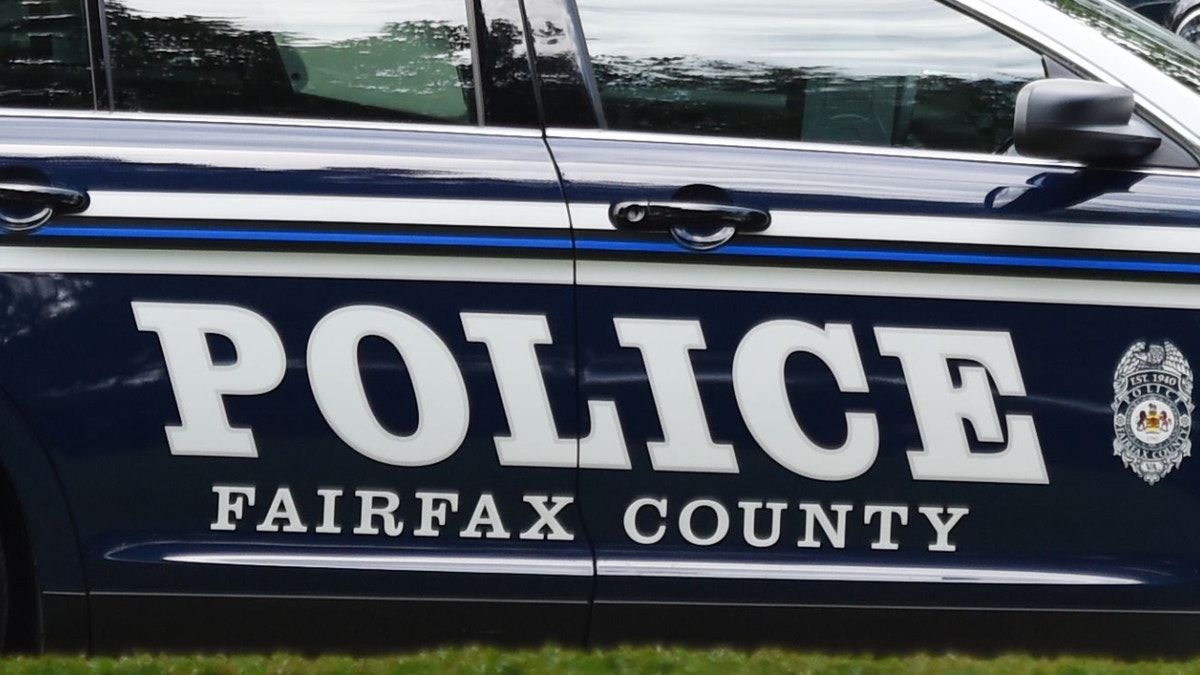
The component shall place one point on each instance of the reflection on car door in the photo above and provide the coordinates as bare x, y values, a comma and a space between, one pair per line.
271, 360
941, 381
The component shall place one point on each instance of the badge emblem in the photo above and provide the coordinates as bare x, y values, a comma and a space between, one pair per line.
1152, 409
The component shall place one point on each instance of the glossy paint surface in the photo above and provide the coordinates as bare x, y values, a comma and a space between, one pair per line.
480, 412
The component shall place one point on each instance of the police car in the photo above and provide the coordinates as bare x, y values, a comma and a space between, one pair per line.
859, 323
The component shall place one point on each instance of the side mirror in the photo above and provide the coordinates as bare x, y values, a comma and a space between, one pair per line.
1089, 122
1185, 20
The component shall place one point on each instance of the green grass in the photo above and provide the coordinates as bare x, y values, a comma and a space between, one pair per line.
479, 661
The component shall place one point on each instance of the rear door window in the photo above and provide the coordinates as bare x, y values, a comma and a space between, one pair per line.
44, 59
371, 60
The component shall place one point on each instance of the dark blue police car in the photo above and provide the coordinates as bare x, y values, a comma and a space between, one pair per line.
853, 322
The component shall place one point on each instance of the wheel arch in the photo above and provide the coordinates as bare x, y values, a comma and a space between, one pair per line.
47, 587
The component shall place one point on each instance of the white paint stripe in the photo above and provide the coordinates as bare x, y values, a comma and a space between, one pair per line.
889, 284
274, 264
312, 209
450, 564
263, 159
690, 569
944, 230
622, 274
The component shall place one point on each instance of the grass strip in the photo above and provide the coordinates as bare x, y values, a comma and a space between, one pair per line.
553, 661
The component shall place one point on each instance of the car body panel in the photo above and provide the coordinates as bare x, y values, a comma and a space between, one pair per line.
368, 385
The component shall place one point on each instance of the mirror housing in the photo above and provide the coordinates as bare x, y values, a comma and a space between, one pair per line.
1079, 120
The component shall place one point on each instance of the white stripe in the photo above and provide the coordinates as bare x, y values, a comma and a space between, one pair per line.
314, 209
450, 564
944, 230
689, 569
889, 284
298, 265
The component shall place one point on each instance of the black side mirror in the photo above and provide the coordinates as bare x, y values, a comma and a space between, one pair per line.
1089, 122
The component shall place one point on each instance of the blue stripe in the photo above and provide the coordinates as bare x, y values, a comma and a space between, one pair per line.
901, 256
561, 243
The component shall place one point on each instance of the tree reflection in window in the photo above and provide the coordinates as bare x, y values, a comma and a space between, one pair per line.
43, 55
905, 73
417, 70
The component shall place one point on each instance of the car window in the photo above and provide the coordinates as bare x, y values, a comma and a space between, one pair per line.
373, 60
908, 73
44, 55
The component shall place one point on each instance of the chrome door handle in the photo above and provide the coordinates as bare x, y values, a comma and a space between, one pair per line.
45, 201
700, 226
662, 216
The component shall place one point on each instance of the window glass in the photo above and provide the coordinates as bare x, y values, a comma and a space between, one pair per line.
44, 55
368, 59
911, 73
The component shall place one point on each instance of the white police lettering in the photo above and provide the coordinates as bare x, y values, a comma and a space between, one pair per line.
547, 525
533, 439
329, 503
815, 514
283, 507
232, 501
433, 512
437, 386
486, 516
762, 396
199, 384
943, 520
942, 408
648, 521
666, 348
750, 524
635, 534
887, 514
702, 521
381, 505
381, 512
687, 527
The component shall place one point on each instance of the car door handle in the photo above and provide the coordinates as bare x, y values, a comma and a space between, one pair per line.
41, 202
648, 216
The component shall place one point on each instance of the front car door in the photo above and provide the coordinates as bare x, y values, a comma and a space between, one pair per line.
925, 373
319, 295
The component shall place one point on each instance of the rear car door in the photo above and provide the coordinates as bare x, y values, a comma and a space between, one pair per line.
844, 353
304, 289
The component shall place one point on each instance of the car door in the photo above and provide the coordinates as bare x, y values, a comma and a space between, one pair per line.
844, 353
291, 313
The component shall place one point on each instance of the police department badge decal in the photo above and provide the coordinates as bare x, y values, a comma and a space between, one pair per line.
1152, 409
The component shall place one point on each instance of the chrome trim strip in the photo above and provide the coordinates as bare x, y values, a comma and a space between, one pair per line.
831, 148
393, 267
449, 564
464, 130
769, 144
320, 598
688, 569
862, 283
